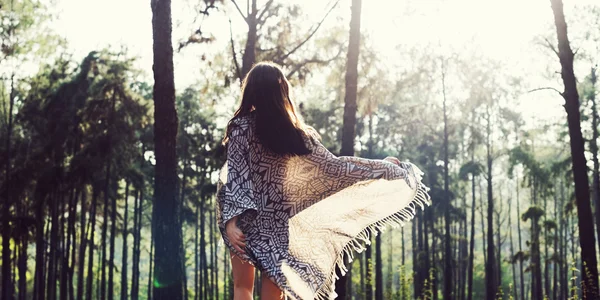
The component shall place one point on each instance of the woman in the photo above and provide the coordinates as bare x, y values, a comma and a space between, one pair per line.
292, 209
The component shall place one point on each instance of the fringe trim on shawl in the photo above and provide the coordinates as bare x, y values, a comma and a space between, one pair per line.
396, 220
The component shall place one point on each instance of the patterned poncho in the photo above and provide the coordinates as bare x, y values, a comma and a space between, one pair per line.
303, 214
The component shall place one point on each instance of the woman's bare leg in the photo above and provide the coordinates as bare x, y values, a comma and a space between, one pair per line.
243, 278
268, 290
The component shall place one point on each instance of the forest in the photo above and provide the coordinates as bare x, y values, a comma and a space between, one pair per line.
113, 114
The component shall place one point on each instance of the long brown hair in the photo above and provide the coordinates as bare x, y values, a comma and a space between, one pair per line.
279, 128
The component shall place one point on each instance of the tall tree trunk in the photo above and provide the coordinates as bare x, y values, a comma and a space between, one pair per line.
168, 271
536, 275
389, 283
369, 273
150, 267
90, 268
512, 251
22, 262
105, 228
401, 284
82, 246
556, 261
378, 269
521, 276
111, 259
73, 244
447, 240
215, 263
65, 254
197, 270
40, 248
7, 286
594, 150
431, 271
52, 280
204, 260
249, 56
137, 237
547, 290
472, 239
491, 284
587, 239
562, 244
350, 106
125, 250
482, 217
415, 258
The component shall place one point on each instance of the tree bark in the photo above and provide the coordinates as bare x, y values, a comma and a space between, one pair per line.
168, 271
587, 239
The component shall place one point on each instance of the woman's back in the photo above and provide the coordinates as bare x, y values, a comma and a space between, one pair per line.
300, 213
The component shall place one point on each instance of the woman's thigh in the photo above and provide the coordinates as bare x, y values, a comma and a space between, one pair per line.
243, 273
269, 290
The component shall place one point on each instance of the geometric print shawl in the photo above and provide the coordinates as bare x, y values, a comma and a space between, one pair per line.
302, 215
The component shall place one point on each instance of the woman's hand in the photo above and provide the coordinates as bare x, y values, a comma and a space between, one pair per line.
392, 160
235, 235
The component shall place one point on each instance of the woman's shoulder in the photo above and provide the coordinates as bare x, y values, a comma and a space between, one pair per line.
240, 125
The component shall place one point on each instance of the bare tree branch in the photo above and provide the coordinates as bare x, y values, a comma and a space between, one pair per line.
240, 11
551, 46
545, 88
264, 9
314, 60
280, 60
237, 66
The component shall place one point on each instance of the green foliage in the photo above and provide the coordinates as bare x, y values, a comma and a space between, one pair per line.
533, 213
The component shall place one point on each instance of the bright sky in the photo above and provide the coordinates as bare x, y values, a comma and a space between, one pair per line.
503, 30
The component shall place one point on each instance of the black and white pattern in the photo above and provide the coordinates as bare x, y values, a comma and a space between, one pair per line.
301, 214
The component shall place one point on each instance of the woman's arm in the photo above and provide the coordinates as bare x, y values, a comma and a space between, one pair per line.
239, 190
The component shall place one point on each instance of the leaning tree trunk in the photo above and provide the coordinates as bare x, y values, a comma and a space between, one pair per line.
587, 239
168, 271
350, 107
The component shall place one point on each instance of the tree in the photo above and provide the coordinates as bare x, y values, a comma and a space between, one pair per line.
350, 106
447, 206
168, 271
570, 94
